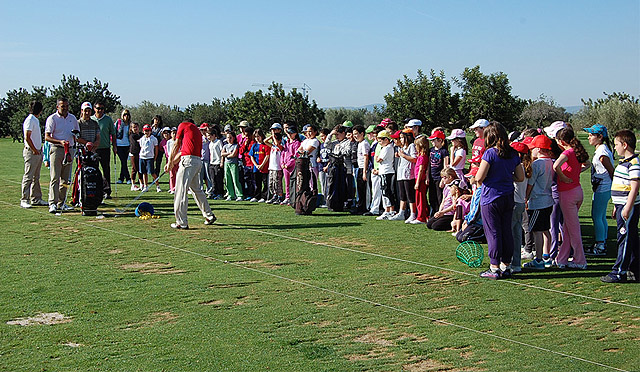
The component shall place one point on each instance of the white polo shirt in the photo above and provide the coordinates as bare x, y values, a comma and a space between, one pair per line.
60, 127
33, 124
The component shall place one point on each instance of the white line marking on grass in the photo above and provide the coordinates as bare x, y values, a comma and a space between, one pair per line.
345, 295
438, 267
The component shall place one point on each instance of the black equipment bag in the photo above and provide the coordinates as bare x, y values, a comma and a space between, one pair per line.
336, 184
305, 193
91, 184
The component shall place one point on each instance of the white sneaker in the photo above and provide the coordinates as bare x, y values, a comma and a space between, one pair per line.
25, 204
253, 200
261, 201
66, 208
397, 217
158, 189
526, 255
416, 222
172, 191
238, 199
53, 208
135, 188
229, 199
40, 202
411, 218
383, 216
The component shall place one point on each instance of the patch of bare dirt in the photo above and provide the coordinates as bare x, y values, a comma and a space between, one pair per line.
115, 251
611, 350
212, 302
232, 285
376, 353
374, 336
425, 365
152, 268
41, 319
72, 344
260, 263
155, 318
349, 242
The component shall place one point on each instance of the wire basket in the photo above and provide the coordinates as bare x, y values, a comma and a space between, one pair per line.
470, 253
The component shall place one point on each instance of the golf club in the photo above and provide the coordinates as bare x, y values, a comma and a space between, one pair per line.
123, 210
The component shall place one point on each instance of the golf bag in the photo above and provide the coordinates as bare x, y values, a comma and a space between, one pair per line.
88, 183
336, 184
305, 192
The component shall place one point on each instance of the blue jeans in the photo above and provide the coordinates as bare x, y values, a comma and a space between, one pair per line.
599, 214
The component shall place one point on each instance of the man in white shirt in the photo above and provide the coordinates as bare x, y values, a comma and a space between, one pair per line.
58, 131
32, 154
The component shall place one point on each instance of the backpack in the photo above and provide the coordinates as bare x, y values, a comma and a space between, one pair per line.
306, 194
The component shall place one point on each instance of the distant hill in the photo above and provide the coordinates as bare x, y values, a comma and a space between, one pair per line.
573, 109
367, 107
570, 109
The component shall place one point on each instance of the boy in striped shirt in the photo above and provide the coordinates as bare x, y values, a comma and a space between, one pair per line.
624, 193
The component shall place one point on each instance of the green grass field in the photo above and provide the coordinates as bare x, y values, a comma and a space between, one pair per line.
265, 289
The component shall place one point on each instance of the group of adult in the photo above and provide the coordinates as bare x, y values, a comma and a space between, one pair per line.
98, 133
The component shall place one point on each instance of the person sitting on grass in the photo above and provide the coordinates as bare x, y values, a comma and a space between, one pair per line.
441, 220
624, 192
471, 228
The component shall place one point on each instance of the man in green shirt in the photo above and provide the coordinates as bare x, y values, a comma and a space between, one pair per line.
107, 141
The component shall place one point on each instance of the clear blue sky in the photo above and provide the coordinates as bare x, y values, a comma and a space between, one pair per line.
350, 53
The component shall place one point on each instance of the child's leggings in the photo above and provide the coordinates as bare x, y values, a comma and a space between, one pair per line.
599, 214
570, 202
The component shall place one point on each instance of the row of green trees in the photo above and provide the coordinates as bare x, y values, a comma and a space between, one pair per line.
428, 97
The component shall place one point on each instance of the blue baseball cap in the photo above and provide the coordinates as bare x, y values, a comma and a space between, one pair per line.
597, 129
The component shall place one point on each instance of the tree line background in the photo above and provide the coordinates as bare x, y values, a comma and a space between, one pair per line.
428, 97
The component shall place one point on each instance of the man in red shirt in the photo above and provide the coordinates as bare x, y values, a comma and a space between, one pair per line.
187, 152
477, 150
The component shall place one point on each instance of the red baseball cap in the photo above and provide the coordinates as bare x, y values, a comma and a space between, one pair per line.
520, 147
396, 135
541, 141
437, 134
472, 172
204, 126
146, 127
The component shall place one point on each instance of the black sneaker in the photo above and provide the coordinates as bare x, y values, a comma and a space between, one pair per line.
613, 278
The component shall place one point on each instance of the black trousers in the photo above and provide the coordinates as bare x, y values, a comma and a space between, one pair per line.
262, 185
105, 163
435, 195
361, 187
123, 155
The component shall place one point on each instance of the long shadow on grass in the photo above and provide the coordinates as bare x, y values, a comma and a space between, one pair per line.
559, 274
290, 226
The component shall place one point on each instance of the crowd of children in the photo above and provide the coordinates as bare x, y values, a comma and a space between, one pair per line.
529, 182
519, 192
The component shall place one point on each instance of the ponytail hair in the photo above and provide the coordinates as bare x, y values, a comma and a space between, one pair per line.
495, 135
567, 135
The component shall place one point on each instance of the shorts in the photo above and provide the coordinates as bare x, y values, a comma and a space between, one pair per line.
146, 166
539, 219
